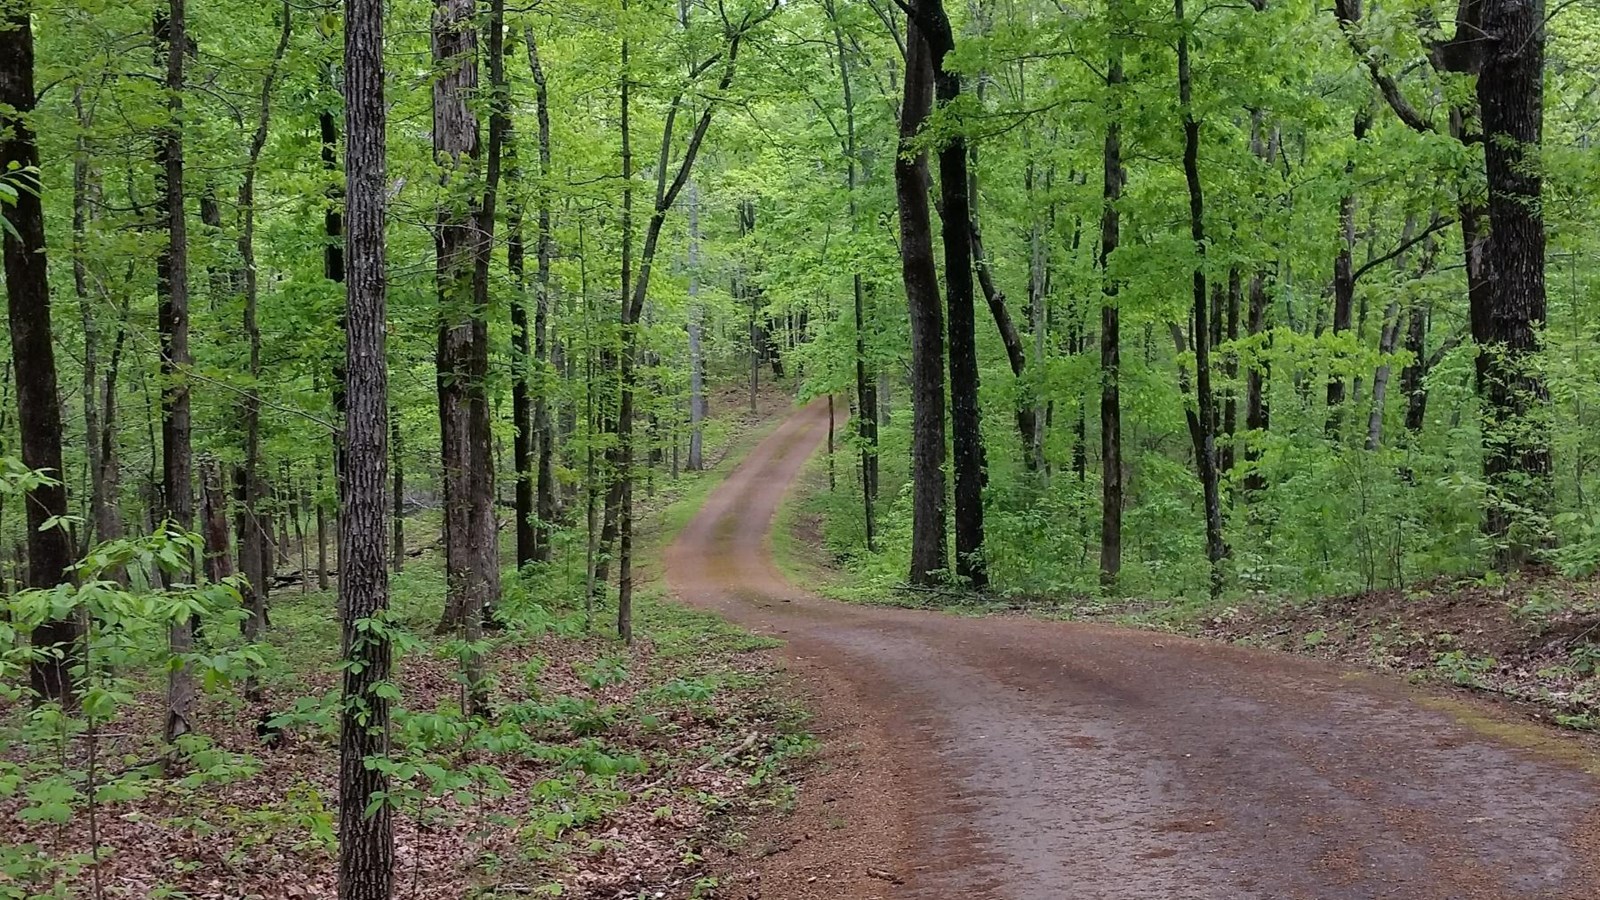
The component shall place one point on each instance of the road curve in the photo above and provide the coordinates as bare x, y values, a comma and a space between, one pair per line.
1013, 758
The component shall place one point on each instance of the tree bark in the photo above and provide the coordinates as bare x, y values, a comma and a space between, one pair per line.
1111, 320
1516, 462
696, 328
219, 549
172, 292
523, 439
1344, 277
461, 243
543, 427
929, 558
399, 506
866, 399
955, 210
366, 838
49, 550
1202, 416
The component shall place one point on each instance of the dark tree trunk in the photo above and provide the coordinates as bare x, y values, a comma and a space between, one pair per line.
928, 512
866, 401
1230, 409
366, 839
1111, 325
1202, 416
255, 543
322, 534
219, 550
522, 363
1257, 415
619, 496
1344, 275
49, 551
1516, 432
1411, 376
399, 505
543, 425
461, 244
955, 209
1016, 355
172, 292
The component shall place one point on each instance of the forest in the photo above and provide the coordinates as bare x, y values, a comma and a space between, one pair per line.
357, 351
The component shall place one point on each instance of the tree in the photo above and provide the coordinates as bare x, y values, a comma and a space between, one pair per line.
172, 287
955, 209
928, 516
1202, 416
1517, 462
366, 841
49, 546
1111, 316
463, 236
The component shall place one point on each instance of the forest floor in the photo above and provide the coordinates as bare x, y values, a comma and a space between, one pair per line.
607, 772
1019, 757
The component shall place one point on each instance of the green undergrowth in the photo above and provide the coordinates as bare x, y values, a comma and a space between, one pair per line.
603, 769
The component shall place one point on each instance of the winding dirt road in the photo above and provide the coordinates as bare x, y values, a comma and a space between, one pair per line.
1014, 758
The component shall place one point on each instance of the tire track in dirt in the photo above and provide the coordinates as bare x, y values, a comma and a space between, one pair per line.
1014, 758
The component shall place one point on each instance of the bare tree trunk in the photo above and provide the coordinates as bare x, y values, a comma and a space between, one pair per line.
955, 208
543, 424
322, 533
697, 362
461, 245
928, 511
1344, 278
1111, 321
219, 550
399, 505
1517, 462
866, 399
93, 445
49, 550
172, 290
366, 837
1202, 417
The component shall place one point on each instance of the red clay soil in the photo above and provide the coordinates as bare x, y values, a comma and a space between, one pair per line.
1016, 758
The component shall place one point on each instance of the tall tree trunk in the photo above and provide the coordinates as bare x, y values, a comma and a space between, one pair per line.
399, 505
635, 288
172, 291
523, 439
543, 425
696, 329
955, 209
1516, 462
1202, 417
1388, 340
1111, 320
1027, 416
218, 547
366, 836
461, 243
1230, 409
866, 399
1344, 276
255, 545
622, 459
49, 550
928, 512
81, 187
322, 534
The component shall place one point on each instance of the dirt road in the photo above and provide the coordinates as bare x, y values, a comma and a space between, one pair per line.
1019, 759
